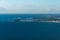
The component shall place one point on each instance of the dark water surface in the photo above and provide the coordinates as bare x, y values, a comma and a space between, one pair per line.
29, 31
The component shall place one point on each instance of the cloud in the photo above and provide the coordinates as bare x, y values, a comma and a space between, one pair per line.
26, 7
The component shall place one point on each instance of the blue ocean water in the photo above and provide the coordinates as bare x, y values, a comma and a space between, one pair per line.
28, 30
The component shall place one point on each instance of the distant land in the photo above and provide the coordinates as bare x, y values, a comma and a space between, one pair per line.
37, 19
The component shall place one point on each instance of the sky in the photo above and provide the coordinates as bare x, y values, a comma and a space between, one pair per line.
29, 6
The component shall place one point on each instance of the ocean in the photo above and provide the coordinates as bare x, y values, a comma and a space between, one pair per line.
28, 30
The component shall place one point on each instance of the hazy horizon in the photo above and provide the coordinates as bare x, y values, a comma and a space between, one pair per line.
29, 6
